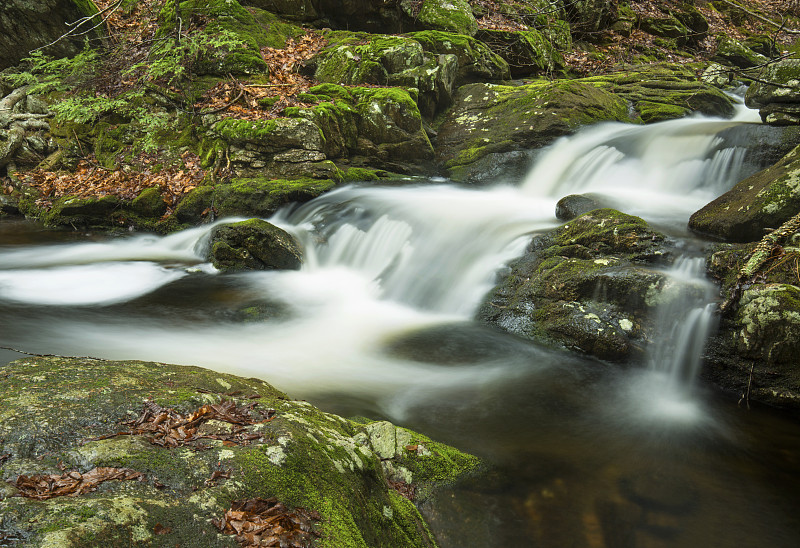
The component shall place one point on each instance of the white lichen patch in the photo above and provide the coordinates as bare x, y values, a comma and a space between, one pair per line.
223, 383
225, 454
625, 324
388, 512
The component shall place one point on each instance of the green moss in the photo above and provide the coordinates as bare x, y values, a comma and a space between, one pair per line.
452, 16
245, 130
360, 174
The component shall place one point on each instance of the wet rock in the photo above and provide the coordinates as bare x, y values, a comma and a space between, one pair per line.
82, 212
63, 414
489, 120
254, 245
777, 95
248, 196
664, 92
754, 353
476, 60
575, 205
755, 205
585, 286
390, 16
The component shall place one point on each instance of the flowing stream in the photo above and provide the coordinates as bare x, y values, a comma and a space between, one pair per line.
378, 323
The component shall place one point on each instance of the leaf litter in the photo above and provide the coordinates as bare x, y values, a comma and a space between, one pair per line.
267, 522
71, 484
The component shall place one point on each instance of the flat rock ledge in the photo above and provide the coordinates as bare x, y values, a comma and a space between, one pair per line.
234, 440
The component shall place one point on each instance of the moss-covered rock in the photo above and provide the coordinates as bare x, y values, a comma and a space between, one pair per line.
28, 26
757, 204
476, 60
447, 15
733, 53
253, 245
664, 92
360, 15
55, 409
82, 212
149, 203
588, 17
488, 121
527, 52
583, 287
777, 93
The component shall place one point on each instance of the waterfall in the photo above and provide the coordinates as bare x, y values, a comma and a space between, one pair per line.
685, 320
380, 263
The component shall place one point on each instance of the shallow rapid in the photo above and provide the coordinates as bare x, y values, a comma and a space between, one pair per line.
378, 322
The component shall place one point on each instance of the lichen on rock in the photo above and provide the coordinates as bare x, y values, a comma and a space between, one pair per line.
301, 455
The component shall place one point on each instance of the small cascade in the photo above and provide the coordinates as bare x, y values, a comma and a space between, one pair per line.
685, 320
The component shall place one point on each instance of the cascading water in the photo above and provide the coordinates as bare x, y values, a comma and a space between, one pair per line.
378, 322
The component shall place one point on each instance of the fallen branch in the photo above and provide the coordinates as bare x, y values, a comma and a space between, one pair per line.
762, 18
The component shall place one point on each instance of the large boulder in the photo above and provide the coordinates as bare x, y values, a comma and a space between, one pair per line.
150, 453
377, 127
254, 245
390, 16
585, 286
490, 124
754, 353
588, 17
664, 92
755, 205
248, 197
30, 25
447, 15
732, 53
776, 93
527, 52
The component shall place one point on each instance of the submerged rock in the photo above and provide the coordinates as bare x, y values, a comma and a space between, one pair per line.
585, 286
755, 205
575, 205
61, 416
254, 245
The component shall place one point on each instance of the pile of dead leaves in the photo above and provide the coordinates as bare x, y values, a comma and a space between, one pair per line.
93, 180
250, 101
47, 486
168, 428
267, 522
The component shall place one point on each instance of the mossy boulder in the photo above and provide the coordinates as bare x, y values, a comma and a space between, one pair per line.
777, 94
588, 17
526, 52
61, 415
149, 203
83, 212
664, 92
447, 15
28, 26
253, 245
754, 353
733, 53
755, 205
377, 127
476, 60
493, 123
214, 18
361, 15
260, 197
585, 286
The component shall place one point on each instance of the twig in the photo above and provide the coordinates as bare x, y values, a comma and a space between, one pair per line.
762, 18
746, 396
77, 24
51, 355
223, 107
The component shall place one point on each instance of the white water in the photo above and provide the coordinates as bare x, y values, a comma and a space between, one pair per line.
381, 264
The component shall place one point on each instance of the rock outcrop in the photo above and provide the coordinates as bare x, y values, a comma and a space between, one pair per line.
755, 205
178, 453
777, 93
590, 285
